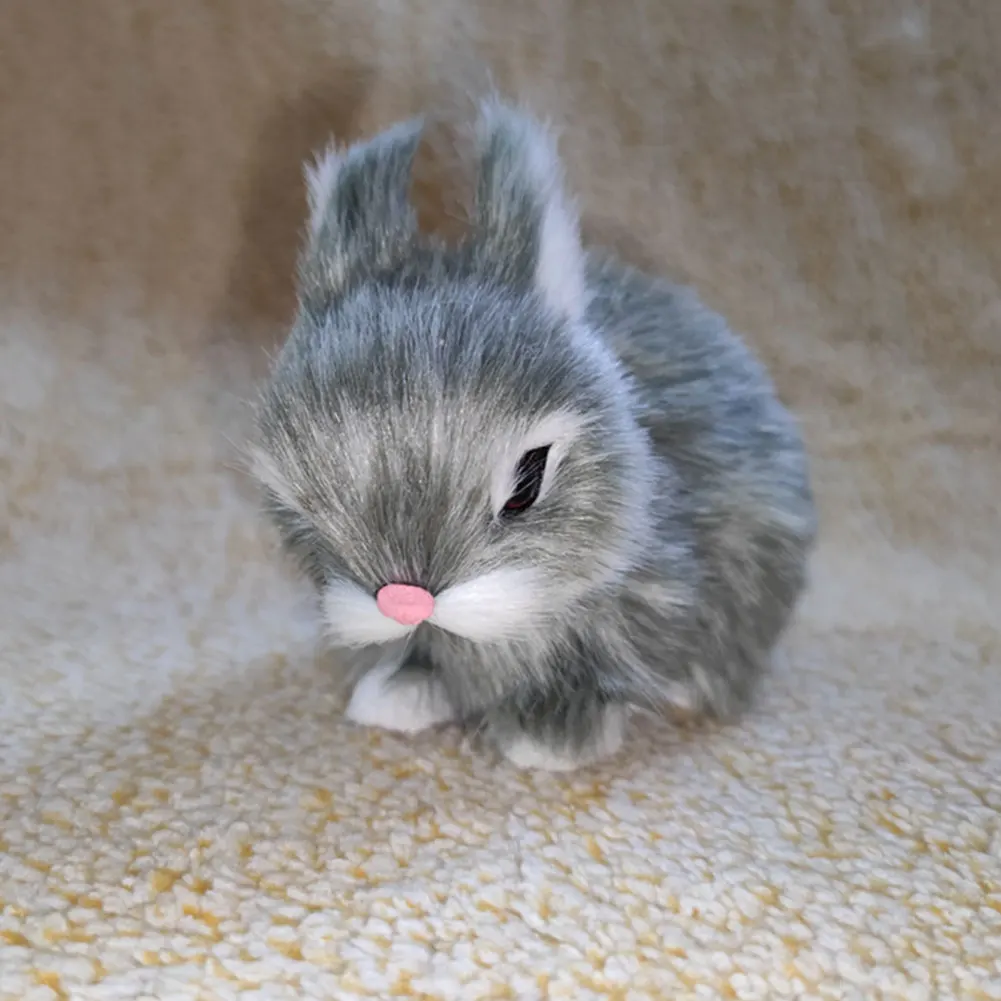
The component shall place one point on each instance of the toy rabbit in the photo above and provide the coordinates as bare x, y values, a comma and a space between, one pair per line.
543, 487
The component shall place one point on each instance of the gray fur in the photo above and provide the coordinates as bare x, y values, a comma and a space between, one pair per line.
676, 537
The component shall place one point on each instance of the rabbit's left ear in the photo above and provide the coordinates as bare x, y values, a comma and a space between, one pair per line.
359, 211
527, 226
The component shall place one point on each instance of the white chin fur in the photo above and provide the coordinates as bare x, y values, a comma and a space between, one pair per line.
532, 755
408, 704
498, 605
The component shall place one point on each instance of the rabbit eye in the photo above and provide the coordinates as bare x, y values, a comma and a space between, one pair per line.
528, 481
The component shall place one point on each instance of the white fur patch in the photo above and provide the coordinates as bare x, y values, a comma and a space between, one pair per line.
497, 605
321, 179
532, 755
409, 704
559, 271
353, 619
266, 471
557, 430
681, 698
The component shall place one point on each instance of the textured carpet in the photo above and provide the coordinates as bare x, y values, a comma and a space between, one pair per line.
184, 814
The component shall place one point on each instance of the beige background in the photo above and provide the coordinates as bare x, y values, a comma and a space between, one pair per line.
179, 799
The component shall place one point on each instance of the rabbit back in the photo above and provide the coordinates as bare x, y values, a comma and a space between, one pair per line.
734, 516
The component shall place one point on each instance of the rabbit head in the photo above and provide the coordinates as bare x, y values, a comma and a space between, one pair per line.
442, 440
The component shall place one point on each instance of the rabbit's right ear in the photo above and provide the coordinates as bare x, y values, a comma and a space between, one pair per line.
527, 222
359, 210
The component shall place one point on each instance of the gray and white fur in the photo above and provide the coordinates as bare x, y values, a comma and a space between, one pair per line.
669, 542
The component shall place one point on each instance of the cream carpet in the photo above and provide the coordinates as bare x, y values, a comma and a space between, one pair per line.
184, 814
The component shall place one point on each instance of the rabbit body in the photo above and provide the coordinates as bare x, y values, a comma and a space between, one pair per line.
536, 488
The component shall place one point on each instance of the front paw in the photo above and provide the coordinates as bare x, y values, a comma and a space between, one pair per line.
403, 701
552, 751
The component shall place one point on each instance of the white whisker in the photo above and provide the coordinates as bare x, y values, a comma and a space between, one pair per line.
353, 619
499, 605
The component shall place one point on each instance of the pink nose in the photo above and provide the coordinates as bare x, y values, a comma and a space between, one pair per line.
405, 603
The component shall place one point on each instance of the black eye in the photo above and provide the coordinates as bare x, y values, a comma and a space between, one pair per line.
528, 481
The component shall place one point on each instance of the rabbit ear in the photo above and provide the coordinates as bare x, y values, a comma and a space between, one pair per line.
526, 224
359, 211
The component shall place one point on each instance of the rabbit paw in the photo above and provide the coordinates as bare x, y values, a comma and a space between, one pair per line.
400, 700
533, 753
